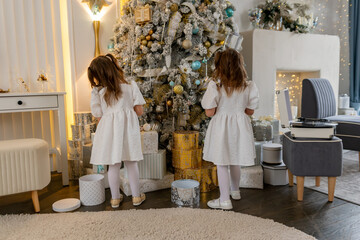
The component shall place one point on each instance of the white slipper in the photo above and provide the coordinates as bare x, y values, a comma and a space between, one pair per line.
235, 195
215, 203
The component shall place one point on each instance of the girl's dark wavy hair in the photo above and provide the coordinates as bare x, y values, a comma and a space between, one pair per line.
230, 70
108, 73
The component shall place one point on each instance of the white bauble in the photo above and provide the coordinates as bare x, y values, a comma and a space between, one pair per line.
147, 127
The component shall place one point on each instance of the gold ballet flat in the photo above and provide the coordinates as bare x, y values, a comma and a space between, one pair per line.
115, 203
138, 200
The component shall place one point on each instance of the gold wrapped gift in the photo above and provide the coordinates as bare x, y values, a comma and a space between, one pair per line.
206, 176
184, 159
186, 140
143, 14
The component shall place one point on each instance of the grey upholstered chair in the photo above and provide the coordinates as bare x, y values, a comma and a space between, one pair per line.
318, 101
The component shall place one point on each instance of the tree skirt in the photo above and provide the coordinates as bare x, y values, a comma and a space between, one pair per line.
174, 223
347, 185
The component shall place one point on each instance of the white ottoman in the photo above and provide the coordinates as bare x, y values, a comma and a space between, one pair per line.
24, 167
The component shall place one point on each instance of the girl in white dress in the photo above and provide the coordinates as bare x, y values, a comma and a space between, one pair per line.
229, 140
118, 104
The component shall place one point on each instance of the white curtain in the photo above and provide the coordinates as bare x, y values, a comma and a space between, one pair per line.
30, 42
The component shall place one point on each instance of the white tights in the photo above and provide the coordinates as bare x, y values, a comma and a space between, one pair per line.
224, 183
114, 178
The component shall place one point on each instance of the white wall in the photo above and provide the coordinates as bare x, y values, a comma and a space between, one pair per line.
330, 12
84, 46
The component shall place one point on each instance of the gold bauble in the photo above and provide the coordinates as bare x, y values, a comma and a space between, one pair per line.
178, 89
186, 44
169, 102
207, 44
144, 42
151, 32
174, 7
148, 37
149, 44
142, 37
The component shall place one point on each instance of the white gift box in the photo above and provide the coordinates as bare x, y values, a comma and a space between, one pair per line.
252, 177
146, 185
95, 170
92, 190
149, 142
275, 175
153, 166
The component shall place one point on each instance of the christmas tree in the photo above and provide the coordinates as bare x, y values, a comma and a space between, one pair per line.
167, 47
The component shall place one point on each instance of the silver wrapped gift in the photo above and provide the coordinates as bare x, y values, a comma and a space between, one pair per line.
83, 118
81, 132
76, 169
75, 149
263, 131
86, 151
185, 193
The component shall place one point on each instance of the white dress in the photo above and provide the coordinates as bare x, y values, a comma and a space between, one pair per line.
117, 136
229, 138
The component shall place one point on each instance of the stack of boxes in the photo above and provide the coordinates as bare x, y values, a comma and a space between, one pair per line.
81, 136
188, 163
266, 130
152, 170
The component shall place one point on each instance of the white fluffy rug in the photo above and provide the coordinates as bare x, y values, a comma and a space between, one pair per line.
347, 185
172, 223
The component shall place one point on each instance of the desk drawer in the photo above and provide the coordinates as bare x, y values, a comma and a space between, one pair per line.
28, 102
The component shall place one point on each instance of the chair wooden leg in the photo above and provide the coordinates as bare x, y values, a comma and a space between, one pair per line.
35, 199
317, 181
331, 188
291, 178
300, 187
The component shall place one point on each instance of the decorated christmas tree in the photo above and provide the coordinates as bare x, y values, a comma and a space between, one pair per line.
167, 47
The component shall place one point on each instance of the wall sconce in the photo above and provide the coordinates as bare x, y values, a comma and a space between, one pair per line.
95, 7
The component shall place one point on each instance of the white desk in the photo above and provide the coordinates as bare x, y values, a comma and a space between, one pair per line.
30, 102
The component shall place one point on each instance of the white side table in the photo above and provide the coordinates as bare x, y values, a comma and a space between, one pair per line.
31, 102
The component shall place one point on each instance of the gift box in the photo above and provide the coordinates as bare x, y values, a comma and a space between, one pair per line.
275, 127
75, 168
74, 150
149, 142
258, 150
153, 166
186, 140
263, 131
184, 159
252, 177
143, 14
86, 151
83, 118
81, 132
205, 175
99, 169
146, 185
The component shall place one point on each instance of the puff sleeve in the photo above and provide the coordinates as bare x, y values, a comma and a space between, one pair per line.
253, 96
138, 98
95, 103
211, 97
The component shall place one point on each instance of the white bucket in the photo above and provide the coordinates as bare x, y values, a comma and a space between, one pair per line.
185, 192
92, 189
